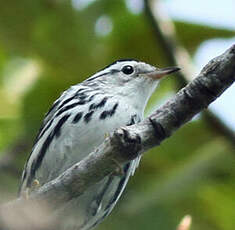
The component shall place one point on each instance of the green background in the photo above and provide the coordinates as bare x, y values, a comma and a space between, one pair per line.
46, 46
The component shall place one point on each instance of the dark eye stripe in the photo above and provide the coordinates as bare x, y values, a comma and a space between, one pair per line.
93, 78
112, 71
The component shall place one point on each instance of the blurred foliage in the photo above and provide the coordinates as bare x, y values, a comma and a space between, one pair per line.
57, 45
192, 35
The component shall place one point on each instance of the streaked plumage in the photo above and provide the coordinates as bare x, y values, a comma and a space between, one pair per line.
77, 123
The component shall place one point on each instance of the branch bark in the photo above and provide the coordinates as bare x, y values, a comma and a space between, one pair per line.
126, 143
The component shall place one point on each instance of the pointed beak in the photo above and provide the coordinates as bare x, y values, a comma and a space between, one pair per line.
159, 73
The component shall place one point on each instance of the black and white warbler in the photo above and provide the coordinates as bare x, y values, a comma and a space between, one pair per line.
78, 121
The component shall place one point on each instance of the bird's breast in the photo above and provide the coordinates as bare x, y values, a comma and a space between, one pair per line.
79, 137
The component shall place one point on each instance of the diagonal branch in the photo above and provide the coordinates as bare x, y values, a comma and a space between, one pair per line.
177, 55
126, 143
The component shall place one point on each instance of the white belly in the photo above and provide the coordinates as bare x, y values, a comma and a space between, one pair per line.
76, 142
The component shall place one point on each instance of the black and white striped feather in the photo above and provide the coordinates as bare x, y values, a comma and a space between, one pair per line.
74, 126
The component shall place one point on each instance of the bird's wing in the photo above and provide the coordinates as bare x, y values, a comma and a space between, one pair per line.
98, 200
68, 97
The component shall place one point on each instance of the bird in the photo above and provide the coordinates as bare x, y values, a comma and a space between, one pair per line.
78, 122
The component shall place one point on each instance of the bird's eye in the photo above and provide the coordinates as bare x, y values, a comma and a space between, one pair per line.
127, 69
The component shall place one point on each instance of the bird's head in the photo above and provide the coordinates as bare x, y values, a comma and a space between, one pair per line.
129, 70
129, 77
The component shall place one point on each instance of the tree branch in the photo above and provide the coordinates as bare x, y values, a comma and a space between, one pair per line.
177, 55
127, 143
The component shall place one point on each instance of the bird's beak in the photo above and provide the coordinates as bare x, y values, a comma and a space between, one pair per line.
159, 73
